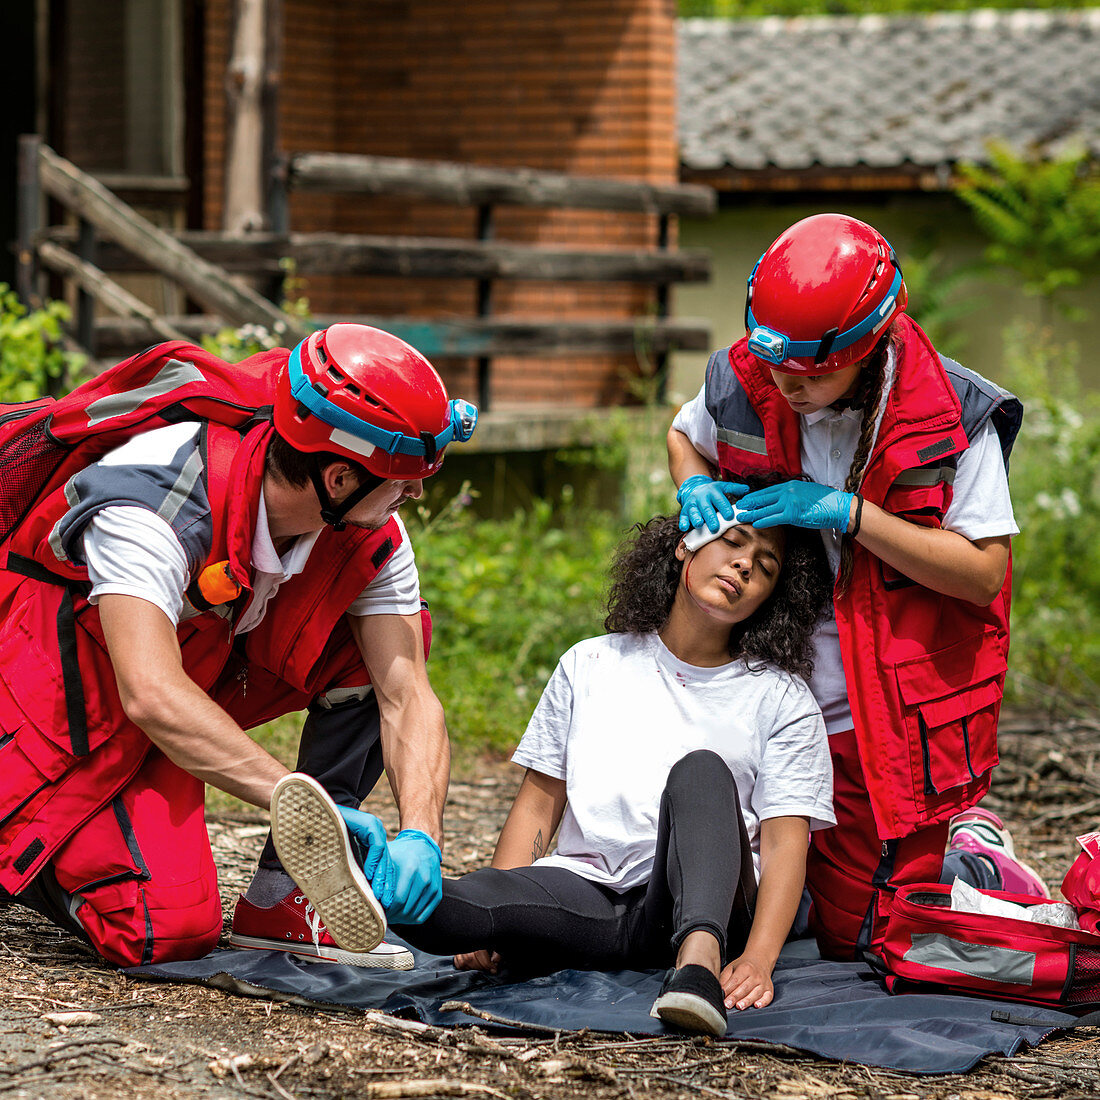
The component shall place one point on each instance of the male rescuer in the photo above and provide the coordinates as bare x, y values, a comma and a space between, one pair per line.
199, 579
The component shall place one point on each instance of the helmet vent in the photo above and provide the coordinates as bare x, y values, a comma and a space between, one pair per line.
335, 375
321, 353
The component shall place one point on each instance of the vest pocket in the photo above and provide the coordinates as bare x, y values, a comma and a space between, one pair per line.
950, 702
30, 687
23, 780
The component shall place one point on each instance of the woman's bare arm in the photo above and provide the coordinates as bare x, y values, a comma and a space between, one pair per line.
531, 822
747, 980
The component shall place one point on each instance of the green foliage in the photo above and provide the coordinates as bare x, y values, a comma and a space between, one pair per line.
1042, 216
1056, 557
32, 361
745, 9
508, 597
939, 297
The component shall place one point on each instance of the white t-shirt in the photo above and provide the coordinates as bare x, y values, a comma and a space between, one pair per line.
980, 508
132, 551
620, 710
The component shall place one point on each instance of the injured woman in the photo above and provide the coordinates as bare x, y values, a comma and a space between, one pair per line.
683, 762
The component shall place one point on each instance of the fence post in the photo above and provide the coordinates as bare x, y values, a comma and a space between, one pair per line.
28, 220
278, 215
484, 309
660, 361
85, 303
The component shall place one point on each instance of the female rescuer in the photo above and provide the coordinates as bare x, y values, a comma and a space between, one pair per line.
903, 457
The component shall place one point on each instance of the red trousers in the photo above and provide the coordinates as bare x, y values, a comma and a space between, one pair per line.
852, 874
137, 877
140, 871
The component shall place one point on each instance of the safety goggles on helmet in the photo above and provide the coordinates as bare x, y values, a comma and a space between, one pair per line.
783, 353
463, 419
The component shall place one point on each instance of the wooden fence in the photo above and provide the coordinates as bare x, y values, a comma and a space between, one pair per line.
111, 237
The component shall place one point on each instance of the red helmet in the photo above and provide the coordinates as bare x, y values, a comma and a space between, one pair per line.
821, 295
367, 395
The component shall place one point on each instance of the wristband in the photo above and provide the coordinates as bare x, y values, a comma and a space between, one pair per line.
858, 516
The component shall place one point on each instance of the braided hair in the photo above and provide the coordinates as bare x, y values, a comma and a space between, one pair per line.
868, 397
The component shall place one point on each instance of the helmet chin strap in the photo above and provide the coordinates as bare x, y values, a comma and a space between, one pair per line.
332, 513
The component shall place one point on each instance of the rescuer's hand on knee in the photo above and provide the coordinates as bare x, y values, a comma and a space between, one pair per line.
418, 878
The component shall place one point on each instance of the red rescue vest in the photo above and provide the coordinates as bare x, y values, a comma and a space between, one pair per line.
925, 672
65, 745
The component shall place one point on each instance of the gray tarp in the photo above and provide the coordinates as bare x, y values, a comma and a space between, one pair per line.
836, 1010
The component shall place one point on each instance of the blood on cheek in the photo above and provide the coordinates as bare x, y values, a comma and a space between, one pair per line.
687, 587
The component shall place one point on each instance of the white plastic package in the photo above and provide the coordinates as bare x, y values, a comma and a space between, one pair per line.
967, 899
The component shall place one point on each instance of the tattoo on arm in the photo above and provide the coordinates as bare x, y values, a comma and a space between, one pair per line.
537, 848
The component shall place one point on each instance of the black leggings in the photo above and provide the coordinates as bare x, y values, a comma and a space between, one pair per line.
542, 919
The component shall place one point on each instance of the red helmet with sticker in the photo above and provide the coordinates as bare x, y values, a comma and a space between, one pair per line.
821, 296
367, 395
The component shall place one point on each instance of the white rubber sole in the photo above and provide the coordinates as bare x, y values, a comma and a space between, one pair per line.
385, 956
689, 1012
314, 848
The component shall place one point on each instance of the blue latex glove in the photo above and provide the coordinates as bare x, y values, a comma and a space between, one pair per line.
417, 882
799, 503
703, 500
369, 835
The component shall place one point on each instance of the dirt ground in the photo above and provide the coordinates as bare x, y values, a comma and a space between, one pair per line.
71, 1026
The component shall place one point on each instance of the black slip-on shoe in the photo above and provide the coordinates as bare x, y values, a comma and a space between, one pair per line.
691, 999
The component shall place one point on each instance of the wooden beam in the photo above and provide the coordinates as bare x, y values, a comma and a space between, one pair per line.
28, 220
861, 178
205, 283
103, 289
423, 258
553, 427
493, 336
473, 185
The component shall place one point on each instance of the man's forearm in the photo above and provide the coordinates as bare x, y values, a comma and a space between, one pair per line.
173, 711
417, 753
198, 736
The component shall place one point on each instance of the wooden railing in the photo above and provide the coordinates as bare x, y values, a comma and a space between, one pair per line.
112, 237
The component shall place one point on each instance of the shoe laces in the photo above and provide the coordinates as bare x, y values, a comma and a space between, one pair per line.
312, 919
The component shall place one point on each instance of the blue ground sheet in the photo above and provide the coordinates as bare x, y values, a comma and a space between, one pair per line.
836, 1010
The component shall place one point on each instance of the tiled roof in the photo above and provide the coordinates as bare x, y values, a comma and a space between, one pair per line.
884, 92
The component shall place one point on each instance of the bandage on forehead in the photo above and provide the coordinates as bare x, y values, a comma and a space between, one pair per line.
700, 536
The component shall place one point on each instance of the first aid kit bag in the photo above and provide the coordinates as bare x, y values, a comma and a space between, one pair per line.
929, 944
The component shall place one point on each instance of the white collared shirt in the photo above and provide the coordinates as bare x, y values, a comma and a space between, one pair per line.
132, 551
980, 508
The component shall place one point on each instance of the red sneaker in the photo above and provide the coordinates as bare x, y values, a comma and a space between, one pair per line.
293, 925
317, 851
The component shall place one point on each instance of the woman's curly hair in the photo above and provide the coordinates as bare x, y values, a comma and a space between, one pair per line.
646, 572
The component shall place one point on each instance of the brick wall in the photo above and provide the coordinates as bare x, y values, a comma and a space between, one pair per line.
583, 86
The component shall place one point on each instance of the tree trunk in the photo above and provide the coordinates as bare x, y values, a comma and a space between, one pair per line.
245, 78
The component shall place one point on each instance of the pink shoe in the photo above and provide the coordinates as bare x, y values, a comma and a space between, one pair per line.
293, 925
983, 833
